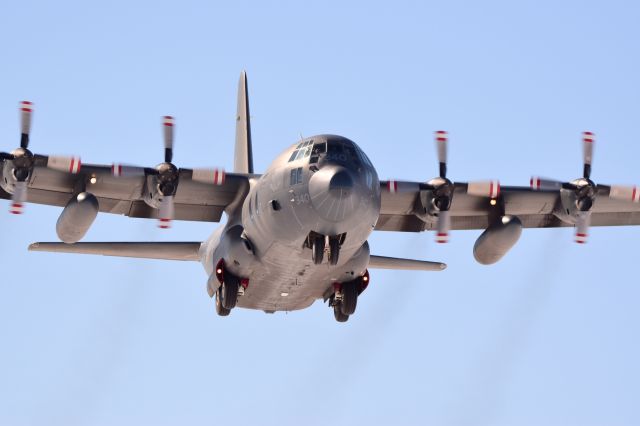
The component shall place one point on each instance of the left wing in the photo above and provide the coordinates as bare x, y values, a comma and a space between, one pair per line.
404, 211
443, 205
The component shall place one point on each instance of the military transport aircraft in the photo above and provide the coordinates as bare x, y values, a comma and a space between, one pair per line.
298, 232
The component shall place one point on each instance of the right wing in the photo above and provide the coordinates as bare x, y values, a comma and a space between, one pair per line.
125, 195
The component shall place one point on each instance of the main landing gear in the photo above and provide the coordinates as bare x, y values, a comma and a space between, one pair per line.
227, 293
318, 244
345, 297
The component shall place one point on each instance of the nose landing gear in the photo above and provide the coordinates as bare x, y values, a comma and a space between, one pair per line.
318, 243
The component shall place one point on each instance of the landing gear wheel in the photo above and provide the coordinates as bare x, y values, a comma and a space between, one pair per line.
334, 250
337, 312
229, 291
317, 249
221, 310
349, 298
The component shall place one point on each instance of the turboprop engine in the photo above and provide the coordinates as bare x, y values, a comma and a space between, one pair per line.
77, 217
497, 240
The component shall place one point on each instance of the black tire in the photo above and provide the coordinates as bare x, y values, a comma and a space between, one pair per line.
334, 250
337, 313
221, 310
229, 291
317, 249
349, 298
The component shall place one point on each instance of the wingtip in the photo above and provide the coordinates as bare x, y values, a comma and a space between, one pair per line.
443, 266
33, 246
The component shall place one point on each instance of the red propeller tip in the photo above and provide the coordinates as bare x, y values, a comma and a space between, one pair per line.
587, 137
168, 120
26, 106
442, 238
581, 238
441, 136
16, 208
164, 223
392, 186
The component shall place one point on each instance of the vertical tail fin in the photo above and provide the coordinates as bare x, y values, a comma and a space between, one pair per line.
243, 162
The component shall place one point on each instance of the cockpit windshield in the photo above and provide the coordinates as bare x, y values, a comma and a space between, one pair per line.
339, 151
303, 150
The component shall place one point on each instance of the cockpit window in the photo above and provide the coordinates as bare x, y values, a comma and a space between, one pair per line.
303, 150
342, 152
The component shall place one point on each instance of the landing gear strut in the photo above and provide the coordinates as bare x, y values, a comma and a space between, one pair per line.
345, 297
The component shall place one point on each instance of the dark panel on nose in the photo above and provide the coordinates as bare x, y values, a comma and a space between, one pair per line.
341, 183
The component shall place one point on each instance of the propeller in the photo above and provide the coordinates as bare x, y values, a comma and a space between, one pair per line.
442, 189
23, 161
584, 189
168, 175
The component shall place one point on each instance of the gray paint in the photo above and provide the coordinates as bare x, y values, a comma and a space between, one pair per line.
497, 240
77, 217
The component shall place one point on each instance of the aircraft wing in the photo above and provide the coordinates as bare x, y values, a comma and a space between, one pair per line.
403, 207
193, 200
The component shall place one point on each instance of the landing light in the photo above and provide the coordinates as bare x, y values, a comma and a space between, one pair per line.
219, 271
493, 202
365, 278
93, 180
284, 294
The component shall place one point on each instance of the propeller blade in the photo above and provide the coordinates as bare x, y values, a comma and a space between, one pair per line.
165, 215
26, 109
489, 188
6, 156
124, 170
64, 164
19, 198
588, 139
625, 193
168, 123
582, 227
215, 176
543, 184
442, 140
444, 224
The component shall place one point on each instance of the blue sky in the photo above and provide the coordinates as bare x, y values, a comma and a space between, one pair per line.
547, 336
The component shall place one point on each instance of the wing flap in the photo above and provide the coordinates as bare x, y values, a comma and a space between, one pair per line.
185, 251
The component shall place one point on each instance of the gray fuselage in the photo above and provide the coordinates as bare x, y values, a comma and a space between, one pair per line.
321, 185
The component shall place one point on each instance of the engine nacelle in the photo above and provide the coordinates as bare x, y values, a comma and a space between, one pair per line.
497, 240
77, 217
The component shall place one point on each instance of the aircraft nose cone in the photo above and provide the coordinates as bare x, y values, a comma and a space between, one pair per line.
333, 193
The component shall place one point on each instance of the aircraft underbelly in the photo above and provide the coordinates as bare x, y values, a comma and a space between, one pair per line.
286, 279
